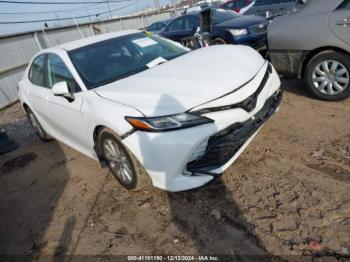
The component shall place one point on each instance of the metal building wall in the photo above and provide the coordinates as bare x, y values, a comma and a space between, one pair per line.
17, 50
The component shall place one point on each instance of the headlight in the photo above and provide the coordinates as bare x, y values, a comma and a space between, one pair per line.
238, 32
167, 123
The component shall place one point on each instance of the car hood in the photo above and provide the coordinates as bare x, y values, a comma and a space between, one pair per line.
242, 21
187, 81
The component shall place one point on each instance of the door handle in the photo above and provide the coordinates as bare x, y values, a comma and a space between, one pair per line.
344, 22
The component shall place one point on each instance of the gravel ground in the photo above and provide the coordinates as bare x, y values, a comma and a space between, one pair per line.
287, 194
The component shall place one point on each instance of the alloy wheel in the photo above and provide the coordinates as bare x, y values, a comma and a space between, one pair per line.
330, 77
118, 161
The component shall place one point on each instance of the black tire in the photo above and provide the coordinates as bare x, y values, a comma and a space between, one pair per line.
39, 130
342, 59
219, 41
140, 178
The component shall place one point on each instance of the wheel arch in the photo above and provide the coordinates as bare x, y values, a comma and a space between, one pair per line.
98, 152
25, 106
311, 54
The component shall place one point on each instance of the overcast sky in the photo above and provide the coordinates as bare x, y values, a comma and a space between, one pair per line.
62, 11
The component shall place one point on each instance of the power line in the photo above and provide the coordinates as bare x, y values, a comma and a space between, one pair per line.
78, 9
66, 18
61, 3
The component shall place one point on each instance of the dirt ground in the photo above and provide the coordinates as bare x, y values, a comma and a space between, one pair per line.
287, 194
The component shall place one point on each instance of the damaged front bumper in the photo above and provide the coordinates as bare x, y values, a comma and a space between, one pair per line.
189, 158
225, 144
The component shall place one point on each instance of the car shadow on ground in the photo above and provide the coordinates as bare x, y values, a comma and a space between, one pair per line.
208, 217
32, 180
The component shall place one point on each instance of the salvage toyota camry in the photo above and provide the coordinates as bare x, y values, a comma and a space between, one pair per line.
148, 108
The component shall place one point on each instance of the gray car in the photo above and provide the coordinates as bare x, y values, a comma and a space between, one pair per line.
313, 43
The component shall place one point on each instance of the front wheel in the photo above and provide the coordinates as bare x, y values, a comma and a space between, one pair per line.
219, 41
121, 162
328, 76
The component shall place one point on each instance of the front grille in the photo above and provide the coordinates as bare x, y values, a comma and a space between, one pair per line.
224, 145
248, 104
258, 29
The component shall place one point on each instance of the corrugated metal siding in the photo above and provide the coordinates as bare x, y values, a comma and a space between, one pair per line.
57, 37
18, 50
8, 86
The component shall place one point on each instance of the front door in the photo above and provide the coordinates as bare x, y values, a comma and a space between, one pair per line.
65, 116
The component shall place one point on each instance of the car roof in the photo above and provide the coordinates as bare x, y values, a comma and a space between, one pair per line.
93, 39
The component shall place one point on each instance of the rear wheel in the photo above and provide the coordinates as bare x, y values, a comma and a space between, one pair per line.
219, 41
328, 76
37, 126
121, 162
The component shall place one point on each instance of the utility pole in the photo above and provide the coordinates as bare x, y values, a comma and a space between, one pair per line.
157, 5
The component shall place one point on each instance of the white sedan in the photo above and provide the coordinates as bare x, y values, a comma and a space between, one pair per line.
148, 108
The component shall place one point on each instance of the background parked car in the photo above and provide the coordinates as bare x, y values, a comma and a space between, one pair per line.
157, 26
225, 27
236, 5
273, 7
314, 43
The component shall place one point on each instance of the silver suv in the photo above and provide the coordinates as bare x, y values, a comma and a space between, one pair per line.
313, 43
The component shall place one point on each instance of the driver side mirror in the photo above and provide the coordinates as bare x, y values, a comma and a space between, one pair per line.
61, 89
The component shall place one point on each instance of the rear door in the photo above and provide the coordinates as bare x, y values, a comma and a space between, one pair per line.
176, 29
339, 21
38, 89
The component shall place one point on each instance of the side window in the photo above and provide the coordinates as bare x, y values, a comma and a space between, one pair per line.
192, 22
152, 27
177, 25
37, 71
161, 26
344, 5
57, 71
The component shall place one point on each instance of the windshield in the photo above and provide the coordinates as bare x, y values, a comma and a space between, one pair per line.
110, 60
222, 15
